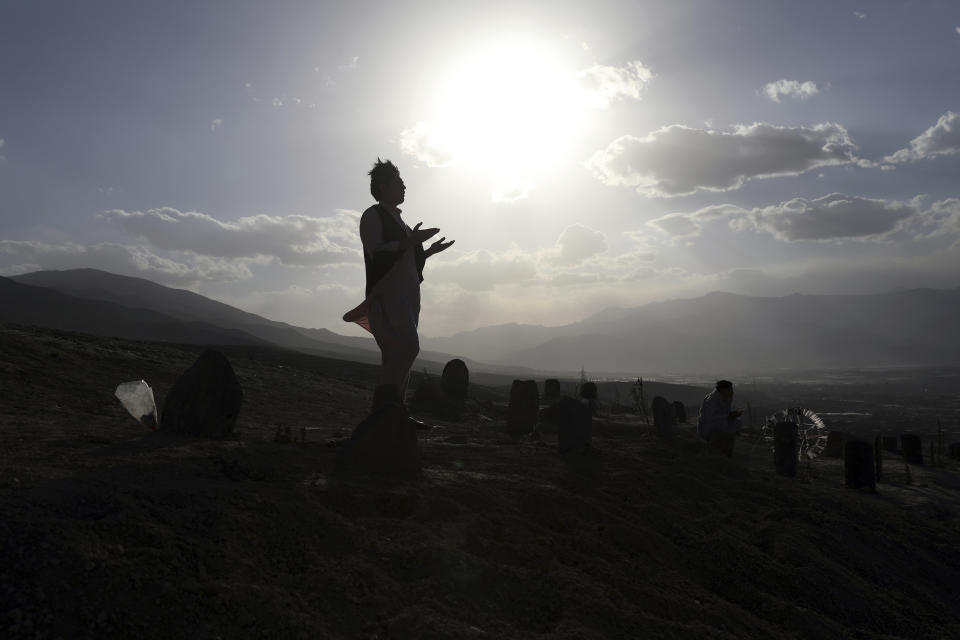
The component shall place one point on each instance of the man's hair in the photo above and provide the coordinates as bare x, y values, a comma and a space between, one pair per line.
382, 172
724, 384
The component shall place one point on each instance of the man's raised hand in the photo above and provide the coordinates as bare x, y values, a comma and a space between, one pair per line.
439, 246
419, 236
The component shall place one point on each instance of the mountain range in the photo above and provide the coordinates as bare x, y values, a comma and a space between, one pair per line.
715, 334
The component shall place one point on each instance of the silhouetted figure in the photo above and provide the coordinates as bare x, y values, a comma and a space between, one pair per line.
394, 258
719, 422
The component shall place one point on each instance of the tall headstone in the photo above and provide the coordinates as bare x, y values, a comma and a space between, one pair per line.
679, 412
455, 380
524, 406
574, 425
205, 400
383, 444
890, 444
785, 448
912, 448
662, 417
552, 390
878, 456
859, 471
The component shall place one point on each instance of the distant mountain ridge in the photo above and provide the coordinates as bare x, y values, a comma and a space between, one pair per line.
725, 332
719, 333
102, 303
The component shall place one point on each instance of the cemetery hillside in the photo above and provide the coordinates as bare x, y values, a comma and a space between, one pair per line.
524, 510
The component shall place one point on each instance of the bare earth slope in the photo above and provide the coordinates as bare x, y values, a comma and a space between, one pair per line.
110, 531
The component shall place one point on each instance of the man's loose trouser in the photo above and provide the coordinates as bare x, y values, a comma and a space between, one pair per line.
393, 323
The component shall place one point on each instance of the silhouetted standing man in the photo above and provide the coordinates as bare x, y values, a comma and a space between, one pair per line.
394, 258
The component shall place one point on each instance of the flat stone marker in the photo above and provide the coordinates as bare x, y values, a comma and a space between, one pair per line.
859, 471
785, 448
912, 448
205, 400
524, 406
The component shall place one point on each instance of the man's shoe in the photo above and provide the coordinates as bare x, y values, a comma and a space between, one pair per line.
417, 424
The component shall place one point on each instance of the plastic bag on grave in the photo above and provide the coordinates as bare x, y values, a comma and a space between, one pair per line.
137, 398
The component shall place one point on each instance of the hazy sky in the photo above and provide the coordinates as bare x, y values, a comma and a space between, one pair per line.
583, 155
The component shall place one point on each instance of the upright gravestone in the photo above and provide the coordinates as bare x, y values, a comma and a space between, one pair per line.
551, 390
890, 444
588, 391
679, 412
785, 448
834, 448
205, 400
858, 466
455, 380
574, 425
383, 444
955, 451
662, 417
878, 457
912, 448
524, 406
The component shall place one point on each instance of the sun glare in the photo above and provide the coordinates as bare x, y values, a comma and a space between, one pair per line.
509, 109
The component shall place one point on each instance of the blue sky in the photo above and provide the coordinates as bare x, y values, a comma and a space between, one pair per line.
583, 155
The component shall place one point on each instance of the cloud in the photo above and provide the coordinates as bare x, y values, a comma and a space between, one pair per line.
680, 160
353, 65
860, 15
22, 256
293, 240
602, 84
578, 243
790, 88
509, 191
942, 219
425, 142
216, 124
832, 217
483, 270
941, 139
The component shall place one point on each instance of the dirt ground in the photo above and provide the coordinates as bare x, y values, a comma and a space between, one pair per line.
108, 530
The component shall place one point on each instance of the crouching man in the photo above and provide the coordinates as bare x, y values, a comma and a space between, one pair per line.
719, 422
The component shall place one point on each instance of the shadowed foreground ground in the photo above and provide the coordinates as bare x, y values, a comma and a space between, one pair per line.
109, 530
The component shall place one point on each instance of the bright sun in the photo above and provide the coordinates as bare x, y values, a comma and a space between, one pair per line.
509, 109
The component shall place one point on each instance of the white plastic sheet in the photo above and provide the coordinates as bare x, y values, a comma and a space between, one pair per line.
137, 398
